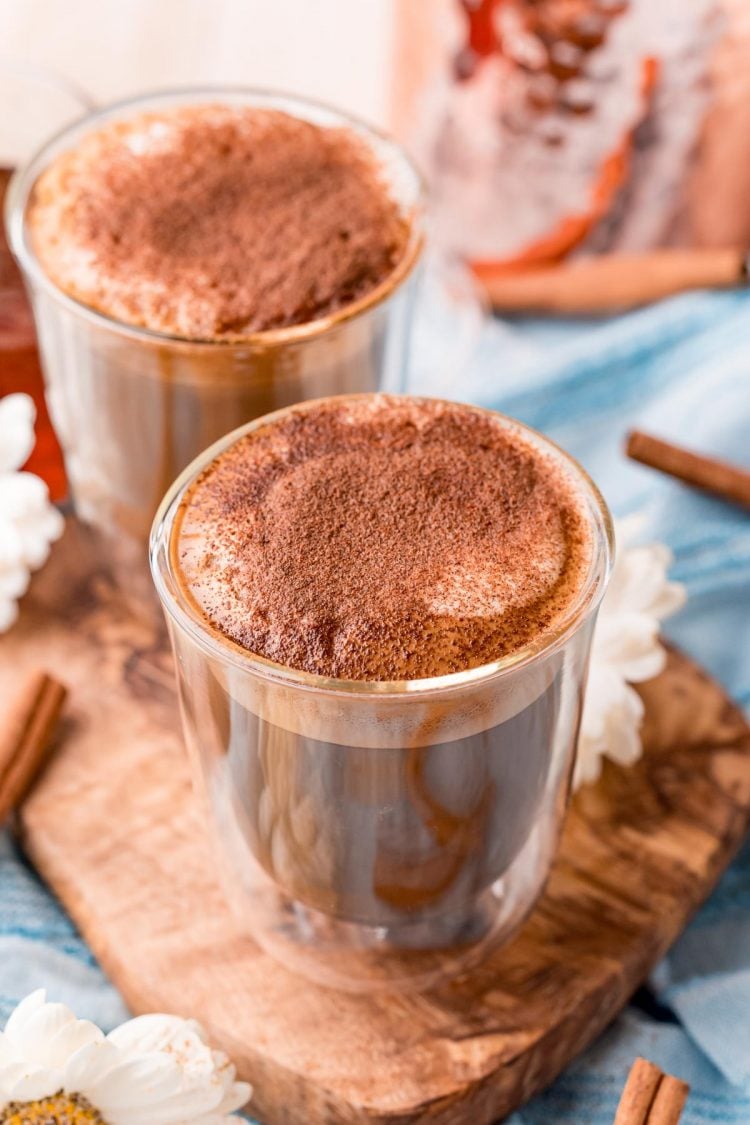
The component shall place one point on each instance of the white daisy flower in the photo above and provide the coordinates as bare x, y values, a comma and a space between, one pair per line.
153, 1070
625, 650
28, 522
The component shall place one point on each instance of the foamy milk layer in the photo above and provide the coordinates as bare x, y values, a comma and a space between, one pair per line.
384, 538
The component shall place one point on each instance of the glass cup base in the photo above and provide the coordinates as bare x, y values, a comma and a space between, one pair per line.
354, 957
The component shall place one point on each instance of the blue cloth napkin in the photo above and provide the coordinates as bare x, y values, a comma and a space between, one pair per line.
682, 370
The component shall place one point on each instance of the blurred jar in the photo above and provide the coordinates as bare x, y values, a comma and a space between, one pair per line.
550, 127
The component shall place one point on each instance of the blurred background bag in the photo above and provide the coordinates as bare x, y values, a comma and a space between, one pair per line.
550, 126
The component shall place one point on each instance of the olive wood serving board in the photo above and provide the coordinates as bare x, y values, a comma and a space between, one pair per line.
115, 830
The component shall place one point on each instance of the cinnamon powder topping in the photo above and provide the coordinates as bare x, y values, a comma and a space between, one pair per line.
216, 221
381, 538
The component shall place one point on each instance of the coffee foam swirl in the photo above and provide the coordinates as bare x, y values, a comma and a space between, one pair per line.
216, 221
381, 538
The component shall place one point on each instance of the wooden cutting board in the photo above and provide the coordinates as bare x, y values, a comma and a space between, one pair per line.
114, 829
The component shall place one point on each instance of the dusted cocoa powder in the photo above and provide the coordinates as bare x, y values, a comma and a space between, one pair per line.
382, 538
216, 221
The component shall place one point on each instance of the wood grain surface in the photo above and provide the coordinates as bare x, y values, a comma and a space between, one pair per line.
114, 829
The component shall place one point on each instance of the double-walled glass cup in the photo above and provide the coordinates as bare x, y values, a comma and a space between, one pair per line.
133, 407
373, 833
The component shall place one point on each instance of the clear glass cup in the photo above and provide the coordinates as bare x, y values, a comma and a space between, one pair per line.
381, 834
132, 407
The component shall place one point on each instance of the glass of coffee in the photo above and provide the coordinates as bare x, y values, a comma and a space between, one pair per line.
197, 259
381, 610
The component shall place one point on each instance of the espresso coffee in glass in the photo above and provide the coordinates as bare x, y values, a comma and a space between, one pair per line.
198, 258
381, 609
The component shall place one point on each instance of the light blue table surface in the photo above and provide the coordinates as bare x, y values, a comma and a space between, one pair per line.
682, 370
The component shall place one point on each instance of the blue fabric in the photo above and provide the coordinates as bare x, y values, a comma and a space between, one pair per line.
680, 369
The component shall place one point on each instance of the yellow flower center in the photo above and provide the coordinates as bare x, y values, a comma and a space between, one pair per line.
62, 1109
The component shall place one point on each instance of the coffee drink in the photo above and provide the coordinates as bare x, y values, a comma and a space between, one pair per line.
383, 539
392, 597
214, 222
196, 261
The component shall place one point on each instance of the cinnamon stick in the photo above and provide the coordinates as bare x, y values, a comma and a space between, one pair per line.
608, 283
651, 1097
26, 735
669, 1102
639, 1093
729, 482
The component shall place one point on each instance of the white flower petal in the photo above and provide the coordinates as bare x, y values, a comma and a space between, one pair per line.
623, 727
156, 1032
36, 542
647, 581
14, 581
10, 540
588, 766
630, 528
639, 582
644, 666
236, 1097
90, 1064
23, 1012
145, 1090
626, 649
630, 645
601, 698
50, 1035
39, 1028
8, 614
70, 1039
17, 414
10, 1072
672, 598
36, 1083
21, 494
217, 1118
28, 524
155, 1070
184, 1041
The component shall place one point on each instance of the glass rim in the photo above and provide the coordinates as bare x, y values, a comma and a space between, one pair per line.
183, 611
25, 177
